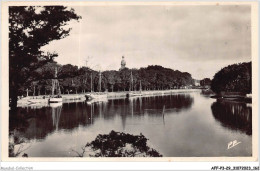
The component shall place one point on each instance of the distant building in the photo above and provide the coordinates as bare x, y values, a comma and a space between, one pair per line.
123, 63
196, 82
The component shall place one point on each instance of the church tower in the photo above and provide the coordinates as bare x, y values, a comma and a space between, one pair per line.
123, 63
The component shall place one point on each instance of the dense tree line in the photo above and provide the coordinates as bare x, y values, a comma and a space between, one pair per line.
77, 80
205, 82
233, 78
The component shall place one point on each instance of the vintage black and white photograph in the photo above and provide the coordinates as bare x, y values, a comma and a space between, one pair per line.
135, 80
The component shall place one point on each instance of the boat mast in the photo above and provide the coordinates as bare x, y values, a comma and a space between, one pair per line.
52, 87
55, 84
85, 80
91, 83
99, 81
33, 90
140, 85
59, 92
131, 82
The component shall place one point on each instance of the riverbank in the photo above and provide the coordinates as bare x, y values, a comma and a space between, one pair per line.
149, 92
43, 99
234, 96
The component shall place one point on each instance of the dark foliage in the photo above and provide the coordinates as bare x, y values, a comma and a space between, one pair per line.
77, 80
233, 78
30, 28
205, 82
116, 144
17, 141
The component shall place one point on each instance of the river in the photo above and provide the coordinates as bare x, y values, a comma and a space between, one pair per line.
179, 125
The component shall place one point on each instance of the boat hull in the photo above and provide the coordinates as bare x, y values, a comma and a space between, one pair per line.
137, 94
96, 96
101, 100
55, 100
134, 94
55, 105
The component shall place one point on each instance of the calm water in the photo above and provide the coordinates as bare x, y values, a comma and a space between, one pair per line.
193, 125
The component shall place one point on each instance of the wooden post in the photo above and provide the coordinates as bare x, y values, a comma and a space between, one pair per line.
163, 110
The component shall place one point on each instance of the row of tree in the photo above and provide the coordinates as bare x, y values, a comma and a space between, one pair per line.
76, 80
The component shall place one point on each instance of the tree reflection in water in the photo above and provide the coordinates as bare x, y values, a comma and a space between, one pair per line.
56, 112
233, 115
39, 122
172, 104
52, 132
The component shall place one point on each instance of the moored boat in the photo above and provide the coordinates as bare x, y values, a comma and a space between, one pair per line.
100, 100
91, 96
55, 89
249, 96
55, 99
55, 105
135, 93
96, 95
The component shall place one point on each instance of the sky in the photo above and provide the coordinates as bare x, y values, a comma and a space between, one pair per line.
196, 39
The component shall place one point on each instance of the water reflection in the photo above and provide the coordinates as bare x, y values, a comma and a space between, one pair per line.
233, 115
56, 112
69, 116
180, 125
171, 104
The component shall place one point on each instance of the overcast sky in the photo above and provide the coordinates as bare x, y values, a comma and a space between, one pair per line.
195, 39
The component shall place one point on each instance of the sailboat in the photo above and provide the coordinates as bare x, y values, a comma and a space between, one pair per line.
55, 98
131, 92
96, 95
140, 91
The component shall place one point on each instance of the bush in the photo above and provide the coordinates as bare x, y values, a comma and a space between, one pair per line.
119, 144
